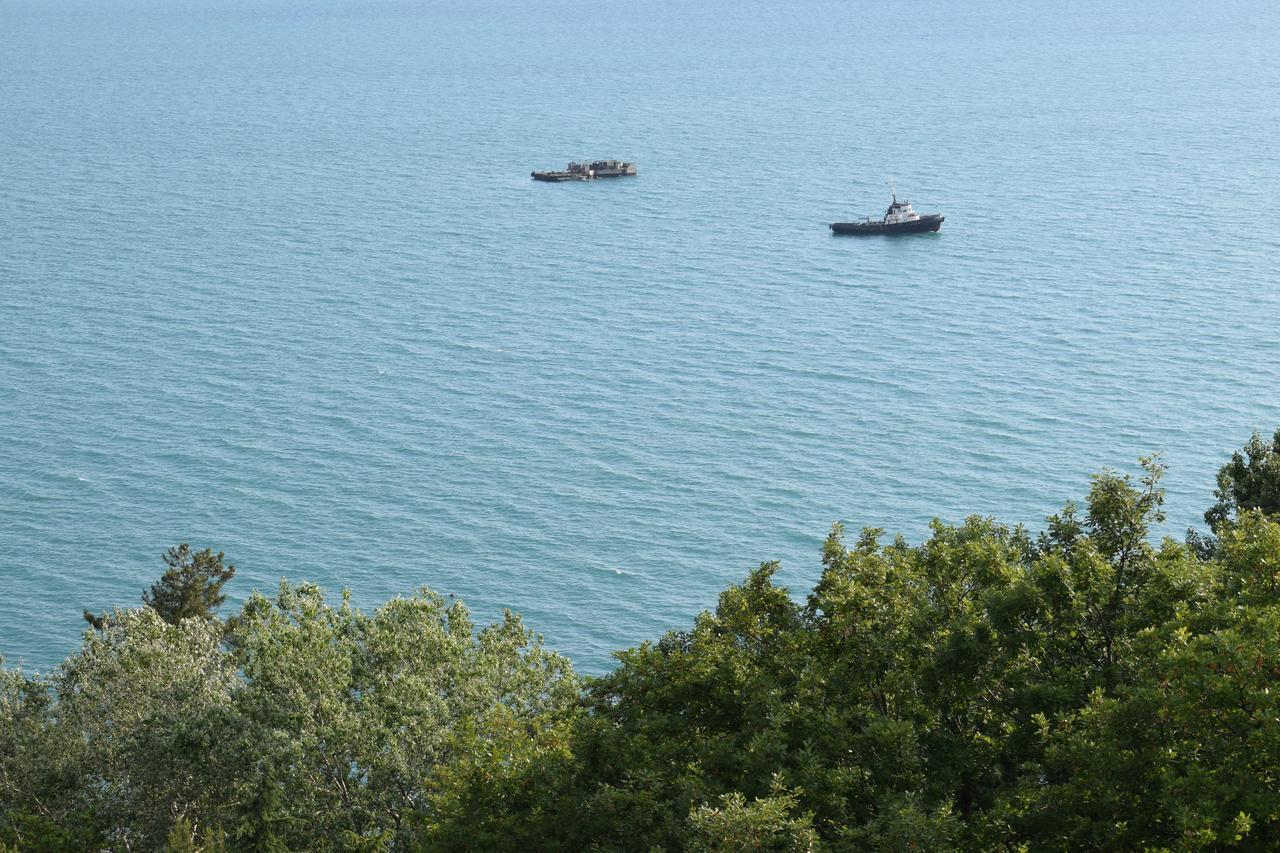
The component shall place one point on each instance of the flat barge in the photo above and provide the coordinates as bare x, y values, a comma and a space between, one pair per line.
588, 171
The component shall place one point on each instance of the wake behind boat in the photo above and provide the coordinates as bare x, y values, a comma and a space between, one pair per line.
900, 218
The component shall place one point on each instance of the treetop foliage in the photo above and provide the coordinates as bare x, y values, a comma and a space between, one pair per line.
988, 688
1251, 480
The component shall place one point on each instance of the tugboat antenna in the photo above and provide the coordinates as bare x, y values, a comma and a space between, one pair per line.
893, 188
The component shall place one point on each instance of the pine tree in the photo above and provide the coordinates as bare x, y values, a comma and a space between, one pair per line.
191, 588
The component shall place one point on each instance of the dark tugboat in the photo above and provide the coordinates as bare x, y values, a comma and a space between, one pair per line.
898, 219
589, 171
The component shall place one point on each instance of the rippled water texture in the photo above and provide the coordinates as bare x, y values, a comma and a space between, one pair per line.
274, 278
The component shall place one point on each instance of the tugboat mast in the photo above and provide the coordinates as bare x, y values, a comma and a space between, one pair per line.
893, 188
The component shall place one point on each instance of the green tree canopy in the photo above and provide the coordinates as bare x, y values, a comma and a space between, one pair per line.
1086, 687
1251, 480
926, 697
317, 728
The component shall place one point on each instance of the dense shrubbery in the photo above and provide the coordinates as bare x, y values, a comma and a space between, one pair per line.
987, 689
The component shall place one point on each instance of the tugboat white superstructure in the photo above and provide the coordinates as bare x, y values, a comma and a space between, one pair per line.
900, 218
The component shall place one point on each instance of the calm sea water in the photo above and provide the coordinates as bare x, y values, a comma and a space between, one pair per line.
274, 279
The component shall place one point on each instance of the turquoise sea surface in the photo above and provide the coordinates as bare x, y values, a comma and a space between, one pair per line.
274, 279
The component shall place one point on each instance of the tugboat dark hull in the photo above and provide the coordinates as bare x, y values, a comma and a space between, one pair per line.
557, 177
931, 222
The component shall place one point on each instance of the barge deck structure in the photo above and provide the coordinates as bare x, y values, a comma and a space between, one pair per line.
588, 171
